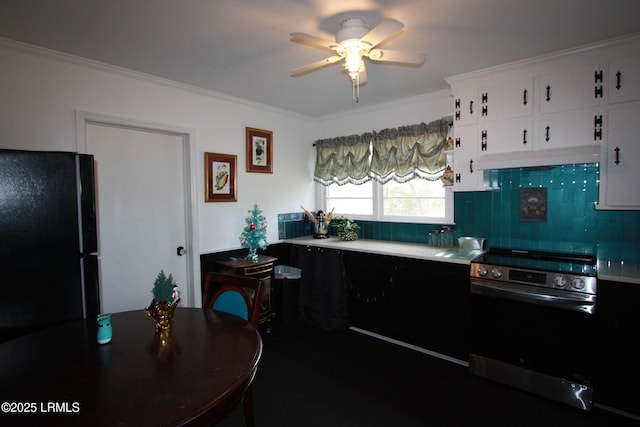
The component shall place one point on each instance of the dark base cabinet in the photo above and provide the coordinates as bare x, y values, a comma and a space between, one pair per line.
424, 303
618, 323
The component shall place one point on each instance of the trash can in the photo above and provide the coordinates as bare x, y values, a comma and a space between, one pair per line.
286, 288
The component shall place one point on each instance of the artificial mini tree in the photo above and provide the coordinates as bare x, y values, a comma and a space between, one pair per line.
254, 235
163, 288
165, 300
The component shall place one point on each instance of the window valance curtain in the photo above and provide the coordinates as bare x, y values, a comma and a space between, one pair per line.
409, 152
401, 154
343, 160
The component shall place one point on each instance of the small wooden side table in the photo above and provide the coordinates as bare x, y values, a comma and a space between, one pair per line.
262, 269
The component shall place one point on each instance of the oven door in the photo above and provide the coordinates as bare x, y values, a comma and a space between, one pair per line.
536, 347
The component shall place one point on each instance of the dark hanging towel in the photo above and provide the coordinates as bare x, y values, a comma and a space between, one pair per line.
323, 289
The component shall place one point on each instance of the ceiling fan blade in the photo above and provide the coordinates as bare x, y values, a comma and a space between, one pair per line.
399, 56
385, 29
315, 66
313, 41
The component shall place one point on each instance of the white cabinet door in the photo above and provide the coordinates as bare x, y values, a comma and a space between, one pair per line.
465, 105
466, 175
505, 136
568, 89
624, 79
622, 164
570, 129
507, 99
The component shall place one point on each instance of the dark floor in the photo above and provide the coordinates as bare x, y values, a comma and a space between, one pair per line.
309, 377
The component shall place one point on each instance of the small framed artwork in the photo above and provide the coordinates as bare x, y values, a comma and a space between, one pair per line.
533, 204
259, 150
220, 177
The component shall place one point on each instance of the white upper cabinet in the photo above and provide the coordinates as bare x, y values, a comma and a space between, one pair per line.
568, 89
506, 136
624, 79
466, 176
570, 129
621, 165
507, 99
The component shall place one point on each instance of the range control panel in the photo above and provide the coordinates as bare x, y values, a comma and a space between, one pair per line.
554, 280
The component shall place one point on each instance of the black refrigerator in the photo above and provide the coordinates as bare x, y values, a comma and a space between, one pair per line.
48, 240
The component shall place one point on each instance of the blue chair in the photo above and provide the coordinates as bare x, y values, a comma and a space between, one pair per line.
232, 301
242, 297
234, 294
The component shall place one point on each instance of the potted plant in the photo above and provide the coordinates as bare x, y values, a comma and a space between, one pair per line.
346, 228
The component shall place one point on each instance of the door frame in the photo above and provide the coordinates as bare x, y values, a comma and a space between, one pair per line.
84, 118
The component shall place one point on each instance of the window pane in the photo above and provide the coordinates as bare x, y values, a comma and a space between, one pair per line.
414, 188
351, 206
350, 190
434, 208
417, 197
350, 198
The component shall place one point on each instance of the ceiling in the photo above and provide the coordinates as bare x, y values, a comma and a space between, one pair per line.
242, 48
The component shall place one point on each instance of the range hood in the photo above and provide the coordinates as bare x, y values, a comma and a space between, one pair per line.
524, 159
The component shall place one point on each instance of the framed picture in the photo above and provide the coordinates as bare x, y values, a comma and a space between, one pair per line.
533, 204
259, 150
220, 177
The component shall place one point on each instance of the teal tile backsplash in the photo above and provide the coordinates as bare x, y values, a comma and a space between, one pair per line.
572, 222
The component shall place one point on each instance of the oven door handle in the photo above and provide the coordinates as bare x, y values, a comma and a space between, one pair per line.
525, 294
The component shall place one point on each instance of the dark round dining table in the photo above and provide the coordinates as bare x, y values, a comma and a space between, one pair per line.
192, 376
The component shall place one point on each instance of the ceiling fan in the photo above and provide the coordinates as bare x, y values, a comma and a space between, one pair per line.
353, 42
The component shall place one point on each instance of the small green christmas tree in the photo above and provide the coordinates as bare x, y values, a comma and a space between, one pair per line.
254, 235
164, 289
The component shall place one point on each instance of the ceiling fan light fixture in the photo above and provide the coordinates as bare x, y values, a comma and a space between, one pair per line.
353, 43
353, 57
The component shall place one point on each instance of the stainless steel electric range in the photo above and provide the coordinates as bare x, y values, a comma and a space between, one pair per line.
532, 322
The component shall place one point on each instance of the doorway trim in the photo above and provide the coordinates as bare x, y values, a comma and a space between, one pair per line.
84, 118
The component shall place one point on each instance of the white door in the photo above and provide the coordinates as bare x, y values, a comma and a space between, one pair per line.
141, 212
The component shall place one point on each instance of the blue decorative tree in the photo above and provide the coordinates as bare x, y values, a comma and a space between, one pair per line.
254, 235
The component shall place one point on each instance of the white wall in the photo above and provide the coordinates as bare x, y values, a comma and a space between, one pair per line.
40, 92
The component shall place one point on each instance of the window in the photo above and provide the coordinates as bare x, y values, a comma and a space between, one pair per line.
389, 175
418, 200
